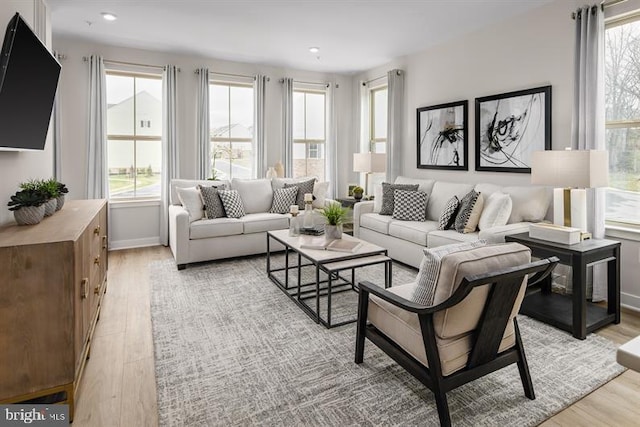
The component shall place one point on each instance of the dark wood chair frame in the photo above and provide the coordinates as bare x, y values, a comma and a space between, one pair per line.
484, 357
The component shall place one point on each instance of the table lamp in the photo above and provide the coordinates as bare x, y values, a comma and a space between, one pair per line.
574, 171
369, 163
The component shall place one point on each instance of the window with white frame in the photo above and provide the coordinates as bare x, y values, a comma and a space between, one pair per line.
622, 83
231, 118
309, 133
134, 134
378, 119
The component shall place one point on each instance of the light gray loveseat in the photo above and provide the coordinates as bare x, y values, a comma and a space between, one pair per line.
210, 239
405, 240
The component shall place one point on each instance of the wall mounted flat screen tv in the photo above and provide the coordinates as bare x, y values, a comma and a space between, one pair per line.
28, 82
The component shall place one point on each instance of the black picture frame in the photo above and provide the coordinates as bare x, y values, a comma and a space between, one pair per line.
510, 127
442, 136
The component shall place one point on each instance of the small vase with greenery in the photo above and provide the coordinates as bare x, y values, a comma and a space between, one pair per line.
28, 206
358, 192
48, 188
335, 215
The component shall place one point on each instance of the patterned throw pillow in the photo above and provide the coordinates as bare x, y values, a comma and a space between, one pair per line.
212, 204
283, 198
427, 277
304, 187
448, 215
410, 205
232, 203
469, 213
387, 195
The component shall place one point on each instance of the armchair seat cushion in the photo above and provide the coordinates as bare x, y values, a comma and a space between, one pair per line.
403, 328
216, 227
413, 231
259, 222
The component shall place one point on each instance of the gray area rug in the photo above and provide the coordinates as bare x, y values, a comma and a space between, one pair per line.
231, 349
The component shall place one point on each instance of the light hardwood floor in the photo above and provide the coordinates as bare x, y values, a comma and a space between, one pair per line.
118, 387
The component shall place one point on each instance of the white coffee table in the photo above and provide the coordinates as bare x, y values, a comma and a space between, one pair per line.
332, 263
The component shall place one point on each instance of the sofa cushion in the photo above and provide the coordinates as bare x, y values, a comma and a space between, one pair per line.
388, 195
427, 277
376, 222
233, 206
256, 194
530, 203
283, 199
441, 194
404, 328
182, 183
409, 205
469, 212
259, 222
412, 231
212, 204
191, 200
304, 187
446, 237
448, 215
496, 211
217, 227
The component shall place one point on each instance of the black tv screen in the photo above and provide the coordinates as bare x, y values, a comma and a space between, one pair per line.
28, 82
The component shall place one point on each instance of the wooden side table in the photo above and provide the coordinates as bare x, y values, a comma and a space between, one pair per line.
574, 313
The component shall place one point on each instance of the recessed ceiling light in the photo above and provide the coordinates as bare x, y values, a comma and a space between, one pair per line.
109, 16
314, 49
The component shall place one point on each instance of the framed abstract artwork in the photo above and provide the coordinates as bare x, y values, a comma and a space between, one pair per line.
442, 136
510, 127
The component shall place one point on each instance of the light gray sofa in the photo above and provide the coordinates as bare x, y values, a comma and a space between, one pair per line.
211, 239
405, 240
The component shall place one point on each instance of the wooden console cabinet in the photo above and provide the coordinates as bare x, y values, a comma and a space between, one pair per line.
52, 279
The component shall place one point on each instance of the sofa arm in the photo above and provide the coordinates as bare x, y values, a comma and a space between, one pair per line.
496, 234
360, 208
179, 234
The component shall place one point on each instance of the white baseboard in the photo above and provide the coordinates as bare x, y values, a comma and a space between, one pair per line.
630, 301
134, 243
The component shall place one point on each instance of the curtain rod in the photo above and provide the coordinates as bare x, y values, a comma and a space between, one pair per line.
134, 64
310, 83
603, 5
227, 74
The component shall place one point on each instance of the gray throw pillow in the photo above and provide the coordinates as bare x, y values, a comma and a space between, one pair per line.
232, 203
212, 204
304, 187
448, 216
283, 198
410, 205
387, 195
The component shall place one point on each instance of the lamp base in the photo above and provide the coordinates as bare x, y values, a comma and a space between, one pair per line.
570, 207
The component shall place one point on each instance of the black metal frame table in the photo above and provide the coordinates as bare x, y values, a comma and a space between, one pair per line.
331, 263
574, 313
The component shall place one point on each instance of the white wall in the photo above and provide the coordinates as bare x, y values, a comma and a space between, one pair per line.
133, 224
525, 52
16, 167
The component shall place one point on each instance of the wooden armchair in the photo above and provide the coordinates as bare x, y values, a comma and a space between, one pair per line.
469, 331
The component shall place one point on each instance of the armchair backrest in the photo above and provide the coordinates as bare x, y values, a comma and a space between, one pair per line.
464, 316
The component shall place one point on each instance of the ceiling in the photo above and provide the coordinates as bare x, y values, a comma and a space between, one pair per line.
353, 35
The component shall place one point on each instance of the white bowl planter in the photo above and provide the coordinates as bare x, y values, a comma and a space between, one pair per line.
60, 202
50, 207
333, 232
29, 215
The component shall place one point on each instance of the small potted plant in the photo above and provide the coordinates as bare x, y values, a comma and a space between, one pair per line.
28, 206
357, 192
335, 215
62, 190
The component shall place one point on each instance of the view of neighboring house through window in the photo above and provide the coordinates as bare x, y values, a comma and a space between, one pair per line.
378, 119
231, 122
622, 83
134, 134
309, 133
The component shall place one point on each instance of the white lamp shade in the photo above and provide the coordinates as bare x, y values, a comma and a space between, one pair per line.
570, 168
369, 162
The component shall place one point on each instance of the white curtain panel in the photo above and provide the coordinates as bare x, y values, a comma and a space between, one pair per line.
394, 123
332, 142
587, 125
170, 160
259, 135
287, 124
57, 140
202, 131
97, 151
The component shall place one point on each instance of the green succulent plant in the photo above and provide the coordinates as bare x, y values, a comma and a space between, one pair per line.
24, 198
334, 213
49, 188
62, 188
